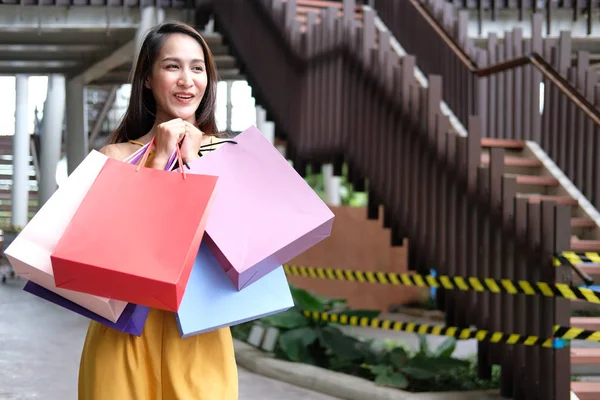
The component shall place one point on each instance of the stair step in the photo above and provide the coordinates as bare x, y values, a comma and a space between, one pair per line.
7, 195
588, 323
582, 222
502, 143
582, 356
586, 390
302, 12
537, 180
585, 245
321, 3
590, 269
8, 177
512, 161
8, 208
535, 198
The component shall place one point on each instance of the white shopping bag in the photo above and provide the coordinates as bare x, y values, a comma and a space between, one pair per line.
30, 252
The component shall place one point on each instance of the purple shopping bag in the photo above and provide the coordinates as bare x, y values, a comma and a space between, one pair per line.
264, 213
131, 321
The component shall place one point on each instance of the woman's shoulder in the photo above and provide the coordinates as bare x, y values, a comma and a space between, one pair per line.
119, 151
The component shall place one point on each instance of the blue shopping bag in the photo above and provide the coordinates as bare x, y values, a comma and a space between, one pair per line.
211, 300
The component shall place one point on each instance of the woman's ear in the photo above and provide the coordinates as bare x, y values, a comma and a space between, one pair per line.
147, 83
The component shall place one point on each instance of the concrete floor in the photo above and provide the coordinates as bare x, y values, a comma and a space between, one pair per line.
40, 345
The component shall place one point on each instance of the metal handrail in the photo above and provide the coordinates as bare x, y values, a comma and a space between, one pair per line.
533, 59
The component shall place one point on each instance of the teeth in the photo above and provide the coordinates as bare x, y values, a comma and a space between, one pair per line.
183, 97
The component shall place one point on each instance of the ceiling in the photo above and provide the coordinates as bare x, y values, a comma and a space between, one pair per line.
93, 41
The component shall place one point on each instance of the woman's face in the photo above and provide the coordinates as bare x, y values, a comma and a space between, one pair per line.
178, 78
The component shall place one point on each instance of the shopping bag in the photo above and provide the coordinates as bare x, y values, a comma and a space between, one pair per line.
135, 235
264, 212
131, 320
29, 253
211, 301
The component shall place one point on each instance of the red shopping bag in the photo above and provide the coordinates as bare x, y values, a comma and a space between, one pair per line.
135, 235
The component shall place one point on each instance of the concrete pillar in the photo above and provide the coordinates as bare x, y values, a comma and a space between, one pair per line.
160, 15
148, 19
332, 186
21, 154
51, 137
77, 123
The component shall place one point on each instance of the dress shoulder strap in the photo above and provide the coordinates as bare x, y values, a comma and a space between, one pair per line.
136, 142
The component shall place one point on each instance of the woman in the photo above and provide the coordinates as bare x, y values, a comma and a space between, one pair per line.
173, 100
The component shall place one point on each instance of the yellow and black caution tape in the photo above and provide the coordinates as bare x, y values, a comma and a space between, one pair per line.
561, 334
457, 282
572, 258
438, 330
569, 333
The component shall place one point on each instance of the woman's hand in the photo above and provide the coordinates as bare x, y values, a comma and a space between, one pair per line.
190, 146
167, 136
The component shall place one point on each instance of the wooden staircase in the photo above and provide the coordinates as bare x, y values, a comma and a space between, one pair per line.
535, 183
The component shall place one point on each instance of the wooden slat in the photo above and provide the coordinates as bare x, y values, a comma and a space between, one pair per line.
586, 390
537, 180
585, 356
582, 222
585, 245
588, 323
503, 143
513, 161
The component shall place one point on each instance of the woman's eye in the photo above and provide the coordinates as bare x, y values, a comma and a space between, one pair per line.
171, 66
198, 69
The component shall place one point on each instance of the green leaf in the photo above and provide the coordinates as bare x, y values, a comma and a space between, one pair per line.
423, 346
290, 319
294, 343
340, 344
418, 373
394, 379
443, 363
306, 301
435, 364
398, 357
446, 348
380, 369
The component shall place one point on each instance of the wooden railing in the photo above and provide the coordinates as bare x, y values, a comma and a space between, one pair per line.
579, 9
501, 83
338, 93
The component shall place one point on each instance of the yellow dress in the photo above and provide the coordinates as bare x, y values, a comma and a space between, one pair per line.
158, 365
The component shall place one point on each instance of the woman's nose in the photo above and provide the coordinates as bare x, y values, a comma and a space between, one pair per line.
184, 80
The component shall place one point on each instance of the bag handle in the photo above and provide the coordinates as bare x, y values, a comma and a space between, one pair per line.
169, 164
135, 157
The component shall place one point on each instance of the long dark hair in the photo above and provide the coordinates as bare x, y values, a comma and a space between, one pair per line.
141, 112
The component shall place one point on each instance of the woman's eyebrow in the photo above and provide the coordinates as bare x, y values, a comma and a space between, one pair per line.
195, 60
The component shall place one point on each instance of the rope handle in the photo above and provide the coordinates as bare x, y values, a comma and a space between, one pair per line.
147, 153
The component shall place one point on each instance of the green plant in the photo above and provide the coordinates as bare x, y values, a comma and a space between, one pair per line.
349, 197
387, 362
318, 343
396, 368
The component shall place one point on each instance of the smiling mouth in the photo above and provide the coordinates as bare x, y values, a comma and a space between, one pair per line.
185, 97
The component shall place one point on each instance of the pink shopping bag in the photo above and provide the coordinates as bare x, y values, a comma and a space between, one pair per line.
135, 235
264, 213
29, 254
